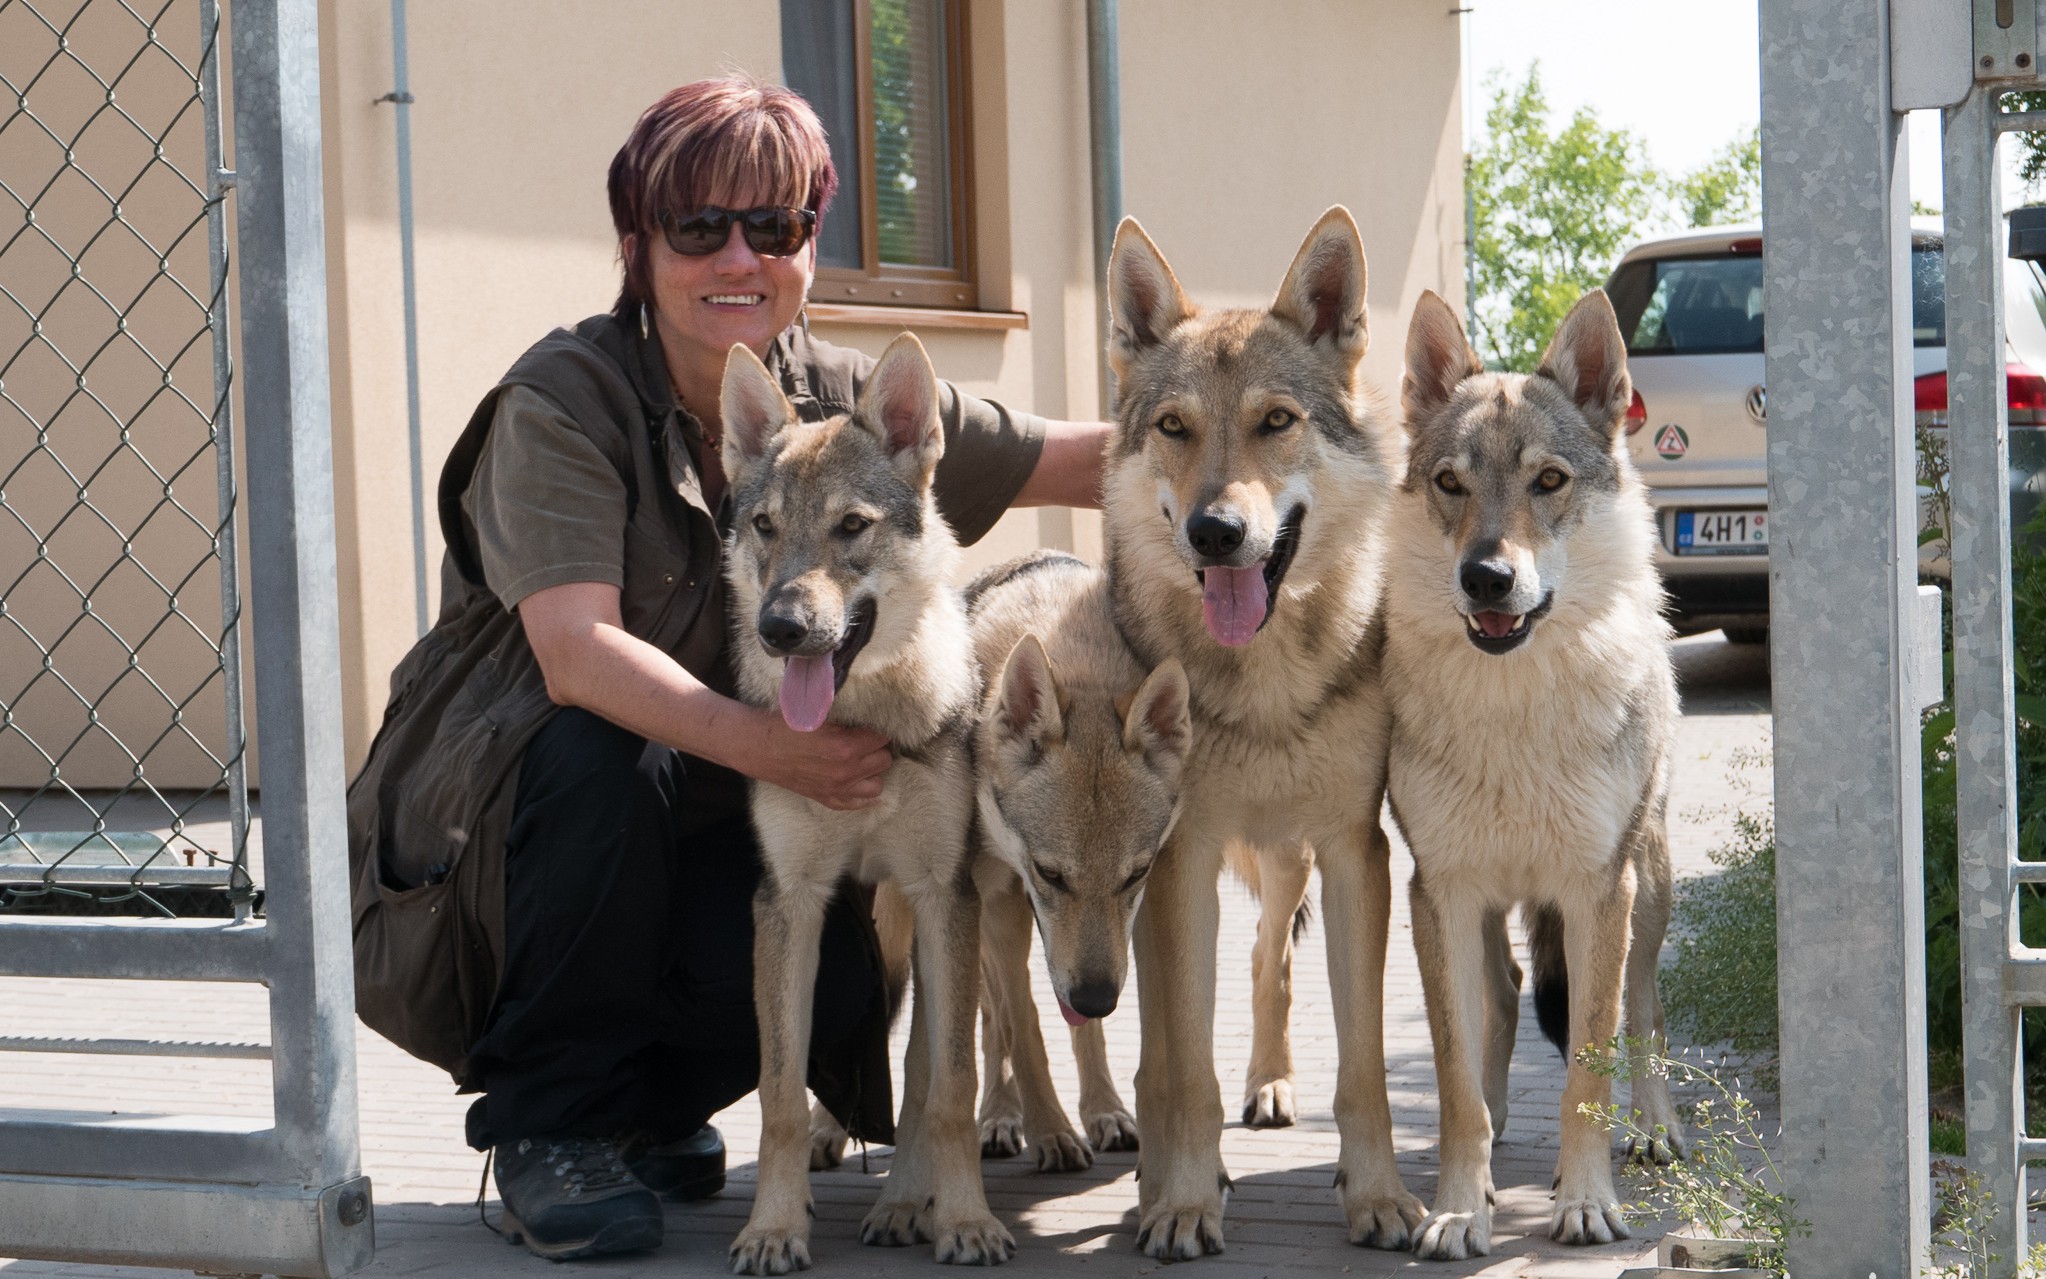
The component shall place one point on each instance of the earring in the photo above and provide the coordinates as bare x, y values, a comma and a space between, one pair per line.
643, 333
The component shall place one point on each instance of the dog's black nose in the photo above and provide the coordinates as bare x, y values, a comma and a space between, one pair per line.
1215, 535
1487, 581
1093, 999
783, 632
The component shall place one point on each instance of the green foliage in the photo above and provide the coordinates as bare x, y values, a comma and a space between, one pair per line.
1729, 1185
2031, 146
1959, 1248
1728, 188
1721, 986
1550, 214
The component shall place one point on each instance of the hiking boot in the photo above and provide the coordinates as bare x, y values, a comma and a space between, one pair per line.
574, 1197
685, 1170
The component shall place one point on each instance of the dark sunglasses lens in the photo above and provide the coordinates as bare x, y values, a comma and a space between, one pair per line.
776, 232
703, 233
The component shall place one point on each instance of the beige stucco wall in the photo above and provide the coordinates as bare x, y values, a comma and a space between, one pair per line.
1241, 123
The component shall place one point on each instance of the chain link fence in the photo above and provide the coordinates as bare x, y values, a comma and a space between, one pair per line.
122, 786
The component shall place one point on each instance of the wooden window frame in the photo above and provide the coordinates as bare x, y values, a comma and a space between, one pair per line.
896, 284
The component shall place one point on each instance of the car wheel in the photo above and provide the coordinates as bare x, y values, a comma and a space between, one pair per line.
1747, 634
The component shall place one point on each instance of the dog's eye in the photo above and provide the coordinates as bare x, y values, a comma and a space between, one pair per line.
1170, 425
855, 523
1550, 480
1136, 877
1051, 878
1278, 420
1447, 483
763, 526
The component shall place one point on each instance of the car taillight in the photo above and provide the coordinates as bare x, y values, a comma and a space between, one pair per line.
1637, 414
2024, 397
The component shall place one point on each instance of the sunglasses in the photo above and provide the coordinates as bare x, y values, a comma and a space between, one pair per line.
769, 231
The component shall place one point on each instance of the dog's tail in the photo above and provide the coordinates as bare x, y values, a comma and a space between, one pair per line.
1551, 976
1303, 919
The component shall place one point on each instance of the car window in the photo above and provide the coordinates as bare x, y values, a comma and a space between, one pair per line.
1712, 305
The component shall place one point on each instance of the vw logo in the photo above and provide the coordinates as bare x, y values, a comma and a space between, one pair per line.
1758, 403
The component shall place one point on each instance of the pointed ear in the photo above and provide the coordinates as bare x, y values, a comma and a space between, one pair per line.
1158, 722
1027, 703
1323, 294
754, 410
1438, 358
899, 406
1145, 301
1588, 359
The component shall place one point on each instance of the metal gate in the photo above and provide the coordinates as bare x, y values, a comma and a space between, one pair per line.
122, 547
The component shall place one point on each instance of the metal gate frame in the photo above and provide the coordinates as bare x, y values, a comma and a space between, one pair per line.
207, 1193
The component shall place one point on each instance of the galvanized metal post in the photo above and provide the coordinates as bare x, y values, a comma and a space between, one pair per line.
1986, 766
1850, 889
296, 624
1104, 119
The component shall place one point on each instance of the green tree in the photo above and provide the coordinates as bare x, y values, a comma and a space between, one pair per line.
1550, 214
1728, 188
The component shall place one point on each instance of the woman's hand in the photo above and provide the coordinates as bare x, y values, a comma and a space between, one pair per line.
838, 767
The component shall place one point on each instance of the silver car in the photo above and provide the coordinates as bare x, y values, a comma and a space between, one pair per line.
1691, 308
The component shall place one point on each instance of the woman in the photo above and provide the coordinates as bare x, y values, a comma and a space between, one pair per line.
553, 863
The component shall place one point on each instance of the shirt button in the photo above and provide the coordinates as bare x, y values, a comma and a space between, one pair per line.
667, 579
692, 581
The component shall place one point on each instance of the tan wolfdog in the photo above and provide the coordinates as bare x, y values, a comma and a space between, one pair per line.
1534, 710
1246, 495
839, 564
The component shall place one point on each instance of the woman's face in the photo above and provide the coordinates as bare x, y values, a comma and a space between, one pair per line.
706, 304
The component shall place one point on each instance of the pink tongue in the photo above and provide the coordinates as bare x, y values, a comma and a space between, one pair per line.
1065, 1010
1498, 625
1233, 603
807, 686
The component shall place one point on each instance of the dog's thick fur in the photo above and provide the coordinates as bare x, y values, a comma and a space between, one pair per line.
835, 532
1079, 756
1534, 710
1247, 449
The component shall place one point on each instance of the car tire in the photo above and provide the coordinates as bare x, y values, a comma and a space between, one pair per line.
1747, 634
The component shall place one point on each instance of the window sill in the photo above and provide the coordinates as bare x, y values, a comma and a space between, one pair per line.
915, 317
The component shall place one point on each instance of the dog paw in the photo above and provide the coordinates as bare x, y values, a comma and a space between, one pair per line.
1665, 1147
1115, 1130
1388, 1219
770, 1252
1181, 1233
1454, 1236
1001, 1137
827, 1143
1586, 1220
1271, 1106
979, 1241
895, 1223
1061, 1152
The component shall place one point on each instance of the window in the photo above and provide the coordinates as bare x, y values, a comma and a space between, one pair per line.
1712, 304
888, 79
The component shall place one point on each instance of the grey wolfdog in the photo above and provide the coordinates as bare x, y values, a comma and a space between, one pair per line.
839, 564
1534, 709
1248, 485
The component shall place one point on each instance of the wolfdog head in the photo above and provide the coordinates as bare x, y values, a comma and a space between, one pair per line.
830, 519
1242, 452
1078, 791
1533, 507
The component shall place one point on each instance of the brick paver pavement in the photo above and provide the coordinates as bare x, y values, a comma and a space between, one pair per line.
1282, 1217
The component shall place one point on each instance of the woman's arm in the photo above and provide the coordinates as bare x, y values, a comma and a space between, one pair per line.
1068, 471
591, 661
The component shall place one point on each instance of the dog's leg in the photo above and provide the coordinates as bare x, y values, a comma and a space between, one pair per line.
788, 927
1005, 960
1648, 1090
1356, 901
1268, 1100
1179, 1101
901, 1216
1502, 1009
1001, 1101
1595, 926
1448, 941
1109, 1124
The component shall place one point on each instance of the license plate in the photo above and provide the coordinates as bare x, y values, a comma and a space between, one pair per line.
1722, 532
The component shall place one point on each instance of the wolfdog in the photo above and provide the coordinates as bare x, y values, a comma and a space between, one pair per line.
1534, 708
1078, 756
1246, 494
839, 564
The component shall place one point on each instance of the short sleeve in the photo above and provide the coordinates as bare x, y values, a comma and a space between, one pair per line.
547, 505
989, 452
